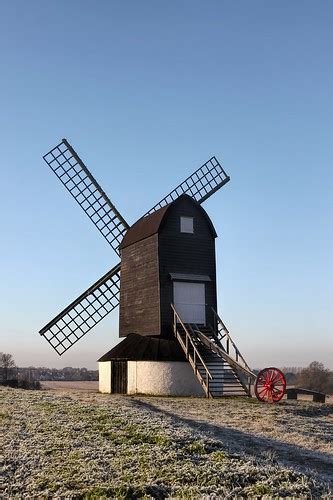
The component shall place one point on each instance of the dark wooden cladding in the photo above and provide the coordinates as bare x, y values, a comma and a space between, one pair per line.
146, 290
139, 289
119, 377
186, 253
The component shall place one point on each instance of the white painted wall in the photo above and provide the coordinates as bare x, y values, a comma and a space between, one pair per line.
163, 378
104, 376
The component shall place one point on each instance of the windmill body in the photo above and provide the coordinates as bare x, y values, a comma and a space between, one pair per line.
174, 342
168, 258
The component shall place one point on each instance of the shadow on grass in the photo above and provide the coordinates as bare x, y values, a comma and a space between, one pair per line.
235, 441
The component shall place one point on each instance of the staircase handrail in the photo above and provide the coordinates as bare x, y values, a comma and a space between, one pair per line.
191, 340
227, 334
218, 350
197, 354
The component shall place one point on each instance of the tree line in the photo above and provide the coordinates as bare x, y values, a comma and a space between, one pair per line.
315, 376
9, 371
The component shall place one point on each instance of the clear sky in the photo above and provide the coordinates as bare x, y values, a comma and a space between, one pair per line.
146, 92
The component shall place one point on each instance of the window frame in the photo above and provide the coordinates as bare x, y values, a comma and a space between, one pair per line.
182, 228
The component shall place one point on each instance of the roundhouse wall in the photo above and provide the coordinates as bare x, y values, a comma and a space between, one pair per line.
104, 377
162, 378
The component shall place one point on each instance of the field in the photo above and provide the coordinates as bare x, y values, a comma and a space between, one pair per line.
69, 441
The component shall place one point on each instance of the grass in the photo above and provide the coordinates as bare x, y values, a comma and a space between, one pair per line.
86, 445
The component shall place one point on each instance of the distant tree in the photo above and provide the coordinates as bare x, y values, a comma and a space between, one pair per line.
315, 377
7, 365
290, 377
330, 383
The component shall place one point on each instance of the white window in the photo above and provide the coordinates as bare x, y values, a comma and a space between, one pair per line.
186, 225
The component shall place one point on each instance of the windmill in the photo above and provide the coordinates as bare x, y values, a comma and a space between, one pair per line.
84, 313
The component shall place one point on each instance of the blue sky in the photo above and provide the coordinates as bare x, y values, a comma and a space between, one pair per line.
146, 92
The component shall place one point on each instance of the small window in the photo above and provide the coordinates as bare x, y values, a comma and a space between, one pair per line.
186, 225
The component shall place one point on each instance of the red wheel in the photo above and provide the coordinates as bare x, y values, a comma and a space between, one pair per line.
270, 385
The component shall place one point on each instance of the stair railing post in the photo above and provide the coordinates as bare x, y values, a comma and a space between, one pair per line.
188, 346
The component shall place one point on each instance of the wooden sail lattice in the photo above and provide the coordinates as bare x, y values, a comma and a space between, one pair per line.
100, 299
75, 176
200, 185
84, 313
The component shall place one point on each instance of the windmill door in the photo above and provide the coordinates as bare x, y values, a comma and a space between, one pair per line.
189, 301
119, 377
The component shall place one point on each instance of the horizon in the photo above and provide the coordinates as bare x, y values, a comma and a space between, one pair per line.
146, 95
255, 368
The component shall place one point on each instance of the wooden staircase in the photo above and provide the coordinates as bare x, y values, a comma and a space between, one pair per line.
219, 374
225, 381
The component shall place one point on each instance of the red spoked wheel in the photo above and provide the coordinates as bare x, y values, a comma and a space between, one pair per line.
270, 385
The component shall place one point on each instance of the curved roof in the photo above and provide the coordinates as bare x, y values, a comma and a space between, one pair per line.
144, 227
139, 348
149, 225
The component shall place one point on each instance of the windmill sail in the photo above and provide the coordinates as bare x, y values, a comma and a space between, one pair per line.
84, 188
102, 297
204, 182
84, 313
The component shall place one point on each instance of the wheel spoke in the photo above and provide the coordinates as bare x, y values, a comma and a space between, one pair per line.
263, 390
270, 385
270, 396
261, 385
278, 376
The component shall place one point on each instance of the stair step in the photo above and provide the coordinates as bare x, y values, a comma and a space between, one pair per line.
225, 381
226, 386
223, 390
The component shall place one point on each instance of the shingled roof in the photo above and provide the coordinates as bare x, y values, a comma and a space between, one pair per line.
139, 348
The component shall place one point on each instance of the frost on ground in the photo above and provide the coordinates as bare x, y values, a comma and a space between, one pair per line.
87, 445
